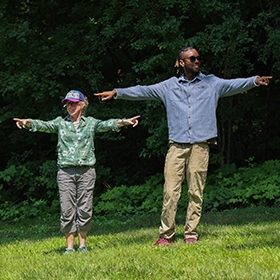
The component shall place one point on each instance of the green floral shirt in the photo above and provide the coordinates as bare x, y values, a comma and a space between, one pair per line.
75, 146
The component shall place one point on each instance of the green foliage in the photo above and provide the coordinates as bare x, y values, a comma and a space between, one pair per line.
255, 185
28, 209
17, 176
228, 188
37, 187
47, 180
154, 117
126, 200
50, 47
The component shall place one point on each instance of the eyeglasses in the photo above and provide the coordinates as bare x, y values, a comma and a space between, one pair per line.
67, 104
193, 58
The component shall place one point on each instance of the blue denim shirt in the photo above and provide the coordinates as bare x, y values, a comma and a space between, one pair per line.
190, 105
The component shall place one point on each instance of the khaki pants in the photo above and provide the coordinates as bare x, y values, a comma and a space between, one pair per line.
190, 162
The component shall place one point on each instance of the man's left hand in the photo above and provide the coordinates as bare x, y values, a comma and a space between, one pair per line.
262, 81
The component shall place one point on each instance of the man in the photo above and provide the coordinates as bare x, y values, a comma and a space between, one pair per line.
191, 101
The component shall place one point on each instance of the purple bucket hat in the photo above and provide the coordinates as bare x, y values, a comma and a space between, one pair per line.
74, 96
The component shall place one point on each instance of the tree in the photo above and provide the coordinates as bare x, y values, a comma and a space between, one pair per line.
50, 47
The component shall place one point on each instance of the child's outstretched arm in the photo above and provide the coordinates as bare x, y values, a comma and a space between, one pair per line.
132, 121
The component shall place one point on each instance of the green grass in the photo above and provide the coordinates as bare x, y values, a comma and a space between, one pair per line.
239, 244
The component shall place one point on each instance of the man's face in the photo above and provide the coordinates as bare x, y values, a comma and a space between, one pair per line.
190, 61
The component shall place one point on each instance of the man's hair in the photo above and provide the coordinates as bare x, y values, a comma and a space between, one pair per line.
180, 70
183, 51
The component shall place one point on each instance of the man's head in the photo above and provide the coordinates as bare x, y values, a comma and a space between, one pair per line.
189, 62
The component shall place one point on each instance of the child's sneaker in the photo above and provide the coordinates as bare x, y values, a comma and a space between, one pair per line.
69, 251
83, 249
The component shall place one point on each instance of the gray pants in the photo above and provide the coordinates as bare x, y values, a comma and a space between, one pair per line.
76, 186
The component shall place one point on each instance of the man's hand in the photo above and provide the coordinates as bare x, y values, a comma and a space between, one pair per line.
262, 81
106, 95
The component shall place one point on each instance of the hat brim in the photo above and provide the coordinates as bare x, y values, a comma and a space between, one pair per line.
70, 99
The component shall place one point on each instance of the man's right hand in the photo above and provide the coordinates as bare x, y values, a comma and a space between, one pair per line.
105, 95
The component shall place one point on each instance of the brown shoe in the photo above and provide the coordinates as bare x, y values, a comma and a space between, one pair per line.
190, 240
163, 242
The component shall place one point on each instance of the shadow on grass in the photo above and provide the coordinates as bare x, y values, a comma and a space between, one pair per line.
33, 230
255, 215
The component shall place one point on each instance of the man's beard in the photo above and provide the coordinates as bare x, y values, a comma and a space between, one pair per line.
190, 70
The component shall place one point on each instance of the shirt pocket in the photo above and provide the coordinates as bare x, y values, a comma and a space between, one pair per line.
202, 92
176, 94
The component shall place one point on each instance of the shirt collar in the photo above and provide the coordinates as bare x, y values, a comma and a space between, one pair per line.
199, 76
67, 118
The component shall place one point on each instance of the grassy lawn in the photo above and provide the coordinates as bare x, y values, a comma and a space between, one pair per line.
239, 244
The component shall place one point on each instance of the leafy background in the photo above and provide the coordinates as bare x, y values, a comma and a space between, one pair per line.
50, 47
